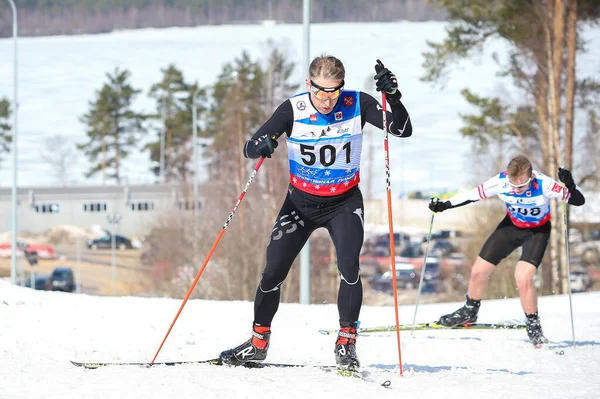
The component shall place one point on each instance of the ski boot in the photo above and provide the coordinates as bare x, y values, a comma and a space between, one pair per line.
534, 330
465, 315
345, 349
253, 350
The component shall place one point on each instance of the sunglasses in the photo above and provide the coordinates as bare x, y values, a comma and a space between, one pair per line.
520, 185
323, 93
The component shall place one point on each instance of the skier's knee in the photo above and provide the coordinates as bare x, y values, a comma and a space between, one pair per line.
523, 281
270, 282
479, 274
350, 277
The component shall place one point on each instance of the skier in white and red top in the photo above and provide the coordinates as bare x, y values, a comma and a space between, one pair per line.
527, 194
323, 127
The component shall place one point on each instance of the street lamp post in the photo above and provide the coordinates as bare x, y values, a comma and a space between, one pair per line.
195, 160
13, 255
305, 252
78, 264
114, 219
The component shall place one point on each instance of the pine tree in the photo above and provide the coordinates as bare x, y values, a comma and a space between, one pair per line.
5, 127
174, 110
238, 109
113, 126
244, 96
536, 40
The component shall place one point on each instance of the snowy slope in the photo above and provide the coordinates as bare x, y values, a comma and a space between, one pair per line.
41, 331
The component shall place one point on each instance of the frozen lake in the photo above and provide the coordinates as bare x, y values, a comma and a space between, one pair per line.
59, 75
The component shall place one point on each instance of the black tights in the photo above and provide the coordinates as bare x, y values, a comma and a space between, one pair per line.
299, 216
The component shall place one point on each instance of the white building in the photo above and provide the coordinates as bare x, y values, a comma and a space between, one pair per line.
40, 208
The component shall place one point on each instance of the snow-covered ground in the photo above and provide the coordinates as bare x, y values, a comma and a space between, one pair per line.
58, 77
41, 331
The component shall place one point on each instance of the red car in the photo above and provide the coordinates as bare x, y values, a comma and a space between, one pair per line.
44, 251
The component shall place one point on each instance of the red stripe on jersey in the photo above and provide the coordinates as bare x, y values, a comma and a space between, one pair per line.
529, 225
324, 190
481, 191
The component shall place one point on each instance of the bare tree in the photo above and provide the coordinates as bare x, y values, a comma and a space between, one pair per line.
59, 155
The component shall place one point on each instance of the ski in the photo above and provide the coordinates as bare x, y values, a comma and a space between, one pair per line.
361, 374
95, 365
435, 326
215, 362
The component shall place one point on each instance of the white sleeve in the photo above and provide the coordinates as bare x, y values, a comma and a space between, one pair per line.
466, 196
489, 188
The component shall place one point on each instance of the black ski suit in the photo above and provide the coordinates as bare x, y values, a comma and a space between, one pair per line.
324, 152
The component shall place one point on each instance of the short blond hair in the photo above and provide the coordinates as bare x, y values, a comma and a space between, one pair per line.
518, 166
327, 67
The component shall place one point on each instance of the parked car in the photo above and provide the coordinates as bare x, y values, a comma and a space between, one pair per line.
590, 251
105, 242
444, 234
442, 247
62, 279
379, 245
580, 280
432, 286
41, 282
412, 251
433, 269
575, 235
384, 239
45, 251
370, 267
406, 278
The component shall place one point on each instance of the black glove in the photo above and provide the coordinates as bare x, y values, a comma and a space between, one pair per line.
439, 206
265, 145
387, 83
566, 177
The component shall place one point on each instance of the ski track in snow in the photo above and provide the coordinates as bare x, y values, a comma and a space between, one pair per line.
42, 331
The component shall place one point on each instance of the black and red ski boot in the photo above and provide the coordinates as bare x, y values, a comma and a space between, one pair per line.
253, 350
345, 349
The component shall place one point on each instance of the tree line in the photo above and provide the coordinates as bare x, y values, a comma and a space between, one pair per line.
246, 92
114, 128
67, 17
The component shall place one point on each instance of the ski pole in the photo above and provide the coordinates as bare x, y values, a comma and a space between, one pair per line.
424, 266
214, 246
566, 226
568, 261
390, 219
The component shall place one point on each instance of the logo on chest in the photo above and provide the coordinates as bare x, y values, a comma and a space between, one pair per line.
528, 200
